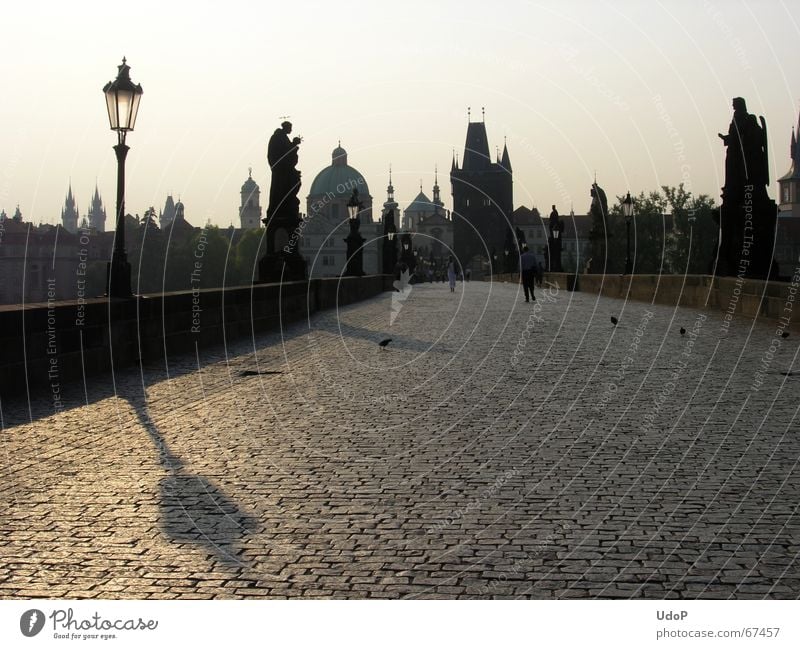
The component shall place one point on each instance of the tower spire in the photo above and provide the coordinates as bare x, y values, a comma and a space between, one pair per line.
390, 188
505, 161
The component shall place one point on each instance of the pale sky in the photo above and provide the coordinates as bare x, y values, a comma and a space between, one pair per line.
634, 91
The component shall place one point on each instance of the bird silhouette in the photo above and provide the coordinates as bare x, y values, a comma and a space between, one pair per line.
385, 342
683, 331
785, 334
614, 321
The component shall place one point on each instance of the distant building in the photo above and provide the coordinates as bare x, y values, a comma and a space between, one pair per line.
250, 207
576, 244
422, 207
44, 262
166, 216
787, 240
97, 213
326, 223
482, 197
431, 226
178, 228
69, 213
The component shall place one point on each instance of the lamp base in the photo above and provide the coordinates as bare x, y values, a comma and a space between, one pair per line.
118, 278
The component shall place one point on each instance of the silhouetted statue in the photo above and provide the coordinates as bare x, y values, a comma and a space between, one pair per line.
520, 238
600, 231
282, 260
746, 156
747, 216
282, 155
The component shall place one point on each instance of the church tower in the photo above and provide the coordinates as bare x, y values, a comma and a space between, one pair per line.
250, 208
69, 213
390, 203
790, 182
437, 200
97, 213
482, 197
167, 216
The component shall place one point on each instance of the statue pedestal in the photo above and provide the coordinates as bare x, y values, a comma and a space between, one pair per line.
747, 236
281, 267
355, 255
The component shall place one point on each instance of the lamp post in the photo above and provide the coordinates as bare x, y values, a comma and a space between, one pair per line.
389, 243
627, 211
122, 102
354, 240
555, 243
407, 256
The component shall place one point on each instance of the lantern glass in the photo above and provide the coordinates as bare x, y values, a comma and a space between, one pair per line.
627, 206
122, 100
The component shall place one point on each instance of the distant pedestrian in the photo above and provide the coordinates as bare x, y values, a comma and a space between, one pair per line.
451, 274
528, 266
469, 273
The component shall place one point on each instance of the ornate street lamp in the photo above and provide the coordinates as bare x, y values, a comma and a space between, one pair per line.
122, 102
407, 255
627, 211
354, 240
353, 205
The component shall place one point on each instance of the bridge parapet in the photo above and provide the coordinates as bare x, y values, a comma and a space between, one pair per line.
778, 302
53, 343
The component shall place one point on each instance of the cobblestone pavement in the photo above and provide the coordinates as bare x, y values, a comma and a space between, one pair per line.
494, 449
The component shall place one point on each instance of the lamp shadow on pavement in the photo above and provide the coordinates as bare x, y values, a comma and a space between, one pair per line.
192, 509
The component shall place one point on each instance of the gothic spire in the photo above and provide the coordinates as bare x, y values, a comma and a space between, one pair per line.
505, 160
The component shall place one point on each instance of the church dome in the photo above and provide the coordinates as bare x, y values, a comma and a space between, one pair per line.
339, 178
249, 185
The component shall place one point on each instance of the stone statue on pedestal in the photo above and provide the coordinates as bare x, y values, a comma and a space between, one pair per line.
747, 216
282, 260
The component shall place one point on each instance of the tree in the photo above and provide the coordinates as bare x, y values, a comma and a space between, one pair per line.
648, 235
245, 262
693, 239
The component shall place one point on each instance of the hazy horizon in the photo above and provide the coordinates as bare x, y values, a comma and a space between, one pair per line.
635, 94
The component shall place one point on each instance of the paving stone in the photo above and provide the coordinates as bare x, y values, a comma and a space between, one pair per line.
483, 454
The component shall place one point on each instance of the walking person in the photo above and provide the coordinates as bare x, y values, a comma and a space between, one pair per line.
451, 274
528, 265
